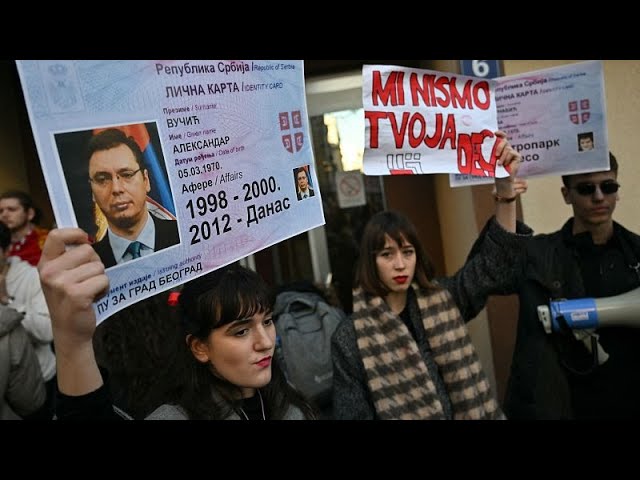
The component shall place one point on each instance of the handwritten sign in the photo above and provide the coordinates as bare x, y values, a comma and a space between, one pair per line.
422, 121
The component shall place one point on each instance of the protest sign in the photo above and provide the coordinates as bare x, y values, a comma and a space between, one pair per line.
206, 174
423, 121
555, 118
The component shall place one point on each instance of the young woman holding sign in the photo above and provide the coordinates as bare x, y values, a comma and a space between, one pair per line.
405, 353
230, 369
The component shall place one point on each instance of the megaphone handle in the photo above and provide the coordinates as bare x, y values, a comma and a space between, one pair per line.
599, 354
636, 268
602, 355
592, 344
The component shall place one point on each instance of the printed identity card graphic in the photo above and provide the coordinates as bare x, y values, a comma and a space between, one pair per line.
547, 114
197, 149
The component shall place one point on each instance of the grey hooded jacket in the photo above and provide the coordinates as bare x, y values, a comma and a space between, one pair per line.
22, 388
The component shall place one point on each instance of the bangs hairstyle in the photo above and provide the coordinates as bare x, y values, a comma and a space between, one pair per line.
221, 297
398, 227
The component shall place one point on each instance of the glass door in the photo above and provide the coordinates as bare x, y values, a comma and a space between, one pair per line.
326, 256
348, 200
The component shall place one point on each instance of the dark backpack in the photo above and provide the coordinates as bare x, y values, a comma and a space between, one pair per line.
305, 323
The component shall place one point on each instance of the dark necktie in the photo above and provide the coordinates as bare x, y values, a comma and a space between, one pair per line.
134, 249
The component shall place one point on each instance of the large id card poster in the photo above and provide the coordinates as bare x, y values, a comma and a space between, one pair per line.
223, 148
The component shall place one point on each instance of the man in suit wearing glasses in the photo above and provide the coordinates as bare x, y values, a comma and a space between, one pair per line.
304, 190
560, 375
119, 184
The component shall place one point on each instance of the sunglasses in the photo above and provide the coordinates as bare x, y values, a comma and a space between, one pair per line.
607, 188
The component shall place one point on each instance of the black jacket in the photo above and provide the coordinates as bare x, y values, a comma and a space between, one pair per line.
488, 270
541, 384
310, 192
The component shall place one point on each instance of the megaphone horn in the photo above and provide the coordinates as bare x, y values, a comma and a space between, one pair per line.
619, 310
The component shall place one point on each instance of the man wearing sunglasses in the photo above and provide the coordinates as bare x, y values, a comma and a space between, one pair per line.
555, 376
119, 184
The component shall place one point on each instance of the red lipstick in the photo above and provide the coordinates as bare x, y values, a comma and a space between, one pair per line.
265, 362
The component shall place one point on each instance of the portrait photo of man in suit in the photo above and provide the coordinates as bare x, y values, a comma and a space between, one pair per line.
120, 183
303, 189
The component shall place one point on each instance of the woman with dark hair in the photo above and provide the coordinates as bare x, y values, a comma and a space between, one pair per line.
406, 353
141, 347
231, 336
231, 372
